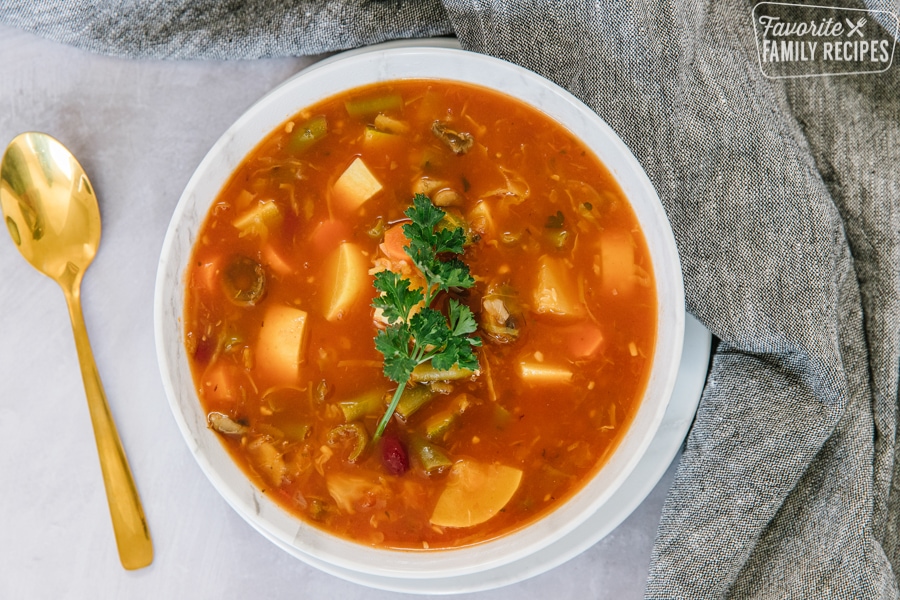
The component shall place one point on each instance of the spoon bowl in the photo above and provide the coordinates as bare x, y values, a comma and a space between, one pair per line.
52, 215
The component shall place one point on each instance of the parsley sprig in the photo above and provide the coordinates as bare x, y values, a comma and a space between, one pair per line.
417, 332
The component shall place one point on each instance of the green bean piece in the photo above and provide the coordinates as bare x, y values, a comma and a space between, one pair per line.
437, 425
425, 373
432, 458
412, 399
360, 108
366, 404
308, 134
355, 433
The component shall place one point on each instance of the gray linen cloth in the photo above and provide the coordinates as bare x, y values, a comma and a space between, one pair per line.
784, 196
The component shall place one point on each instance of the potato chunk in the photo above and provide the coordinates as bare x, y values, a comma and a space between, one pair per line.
556, 292
281, 346
259, 219
475, 492
616, 262
346, 279
355, 186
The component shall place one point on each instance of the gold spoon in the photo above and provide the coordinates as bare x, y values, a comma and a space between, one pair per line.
52, 216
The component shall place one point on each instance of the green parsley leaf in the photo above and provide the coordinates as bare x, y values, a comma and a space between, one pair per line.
397, 300
411, 339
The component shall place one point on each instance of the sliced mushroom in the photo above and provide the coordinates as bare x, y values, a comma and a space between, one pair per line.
458, 141
224, 424
502, 317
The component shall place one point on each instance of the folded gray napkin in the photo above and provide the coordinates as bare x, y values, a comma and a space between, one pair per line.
784, 195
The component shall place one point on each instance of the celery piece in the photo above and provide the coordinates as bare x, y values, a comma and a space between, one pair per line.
430, 457
308, 134
412, 399
366, 404
360, 108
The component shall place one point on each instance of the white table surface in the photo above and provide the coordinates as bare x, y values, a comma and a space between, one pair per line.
140, 128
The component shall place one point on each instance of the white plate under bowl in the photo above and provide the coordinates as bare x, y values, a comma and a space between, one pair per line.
574, 525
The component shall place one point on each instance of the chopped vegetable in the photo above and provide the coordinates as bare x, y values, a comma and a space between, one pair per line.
354, 492
267, 460
309, 133
366, 404
438, 424
556, 293
555, 230
583, 340
447, 197
502, 316
361, 108
225, 424
459, 142
223, 381
281, 346
412, 399
284, 398
347, 277
428, 186
394, 244
428, 373
244, 281
453, 219
355, 185
373, 139
259, 219
540, 373
616, 262
296, 431
355, 434
390, 124
414, 337
475, 492
329, 234
481, 219
431, 458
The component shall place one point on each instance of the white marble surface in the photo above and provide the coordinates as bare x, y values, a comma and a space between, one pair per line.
140, 128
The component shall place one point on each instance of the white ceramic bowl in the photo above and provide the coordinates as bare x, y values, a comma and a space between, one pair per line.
321, 81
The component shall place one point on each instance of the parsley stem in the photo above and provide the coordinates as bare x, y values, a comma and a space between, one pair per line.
379, 431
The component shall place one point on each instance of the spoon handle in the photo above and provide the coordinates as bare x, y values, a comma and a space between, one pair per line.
129, 523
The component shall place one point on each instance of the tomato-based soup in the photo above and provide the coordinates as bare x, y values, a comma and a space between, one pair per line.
280, 327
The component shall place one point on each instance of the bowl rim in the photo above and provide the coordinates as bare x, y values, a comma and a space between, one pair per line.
405, 563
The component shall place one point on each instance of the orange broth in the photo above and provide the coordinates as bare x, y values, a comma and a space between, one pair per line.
564, 294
